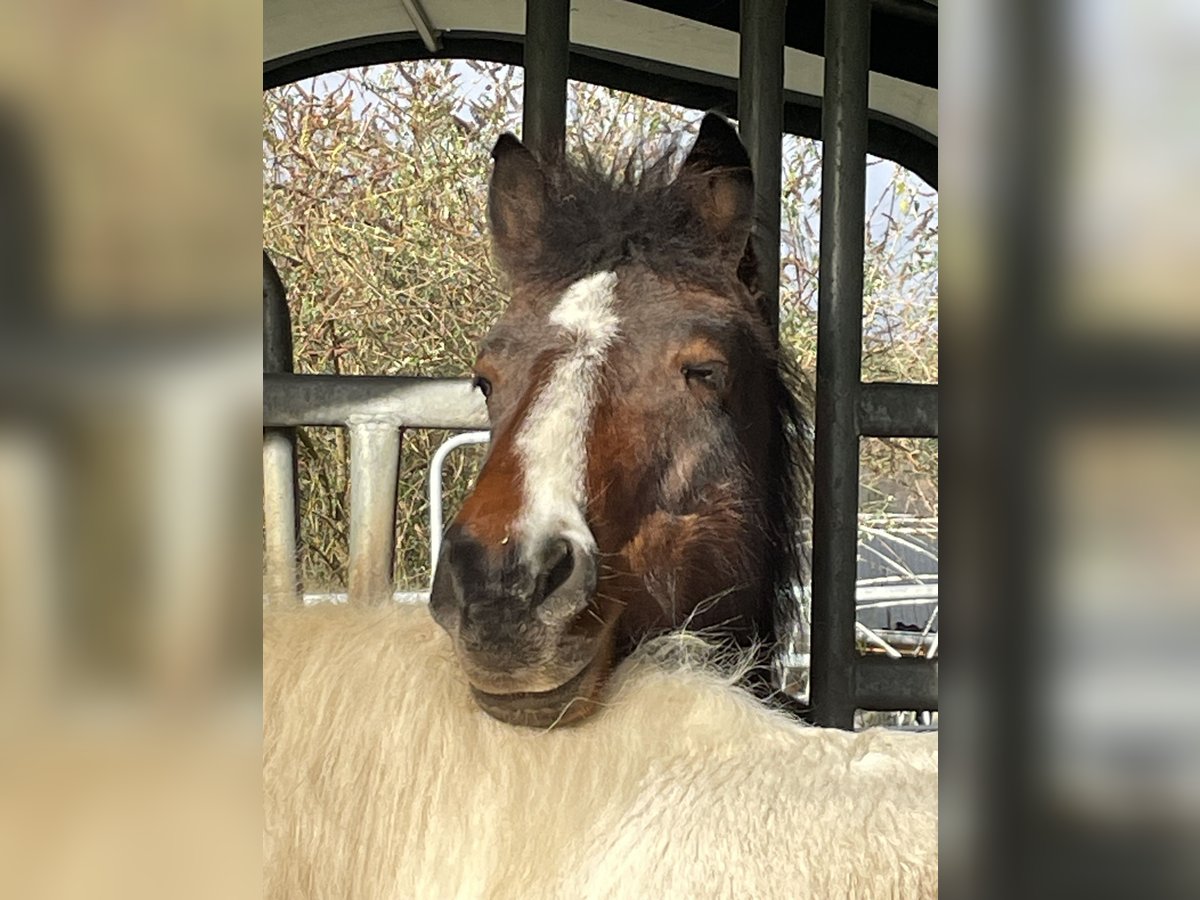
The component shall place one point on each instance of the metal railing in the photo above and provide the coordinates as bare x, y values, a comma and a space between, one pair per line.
375, 410
842, 679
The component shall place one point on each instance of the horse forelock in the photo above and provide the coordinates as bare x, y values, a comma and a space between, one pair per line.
598, 218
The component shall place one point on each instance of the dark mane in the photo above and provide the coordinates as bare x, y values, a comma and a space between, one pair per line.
787, 515
598, 217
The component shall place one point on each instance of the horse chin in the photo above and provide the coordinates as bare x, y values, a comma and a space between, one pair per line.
570, 702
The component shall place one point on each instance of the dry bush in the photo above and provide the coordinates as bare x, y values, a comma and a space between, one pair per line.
374, 191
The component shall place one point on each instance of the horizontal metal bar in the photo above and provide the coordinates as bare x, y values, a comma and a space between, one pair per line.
894, 409
883, 683
309, 599
908, 641
402, 401
921, 11
901, 593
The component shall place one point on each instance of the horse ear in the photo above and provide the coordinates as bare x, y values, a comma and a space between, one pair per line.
516, 201
717, 177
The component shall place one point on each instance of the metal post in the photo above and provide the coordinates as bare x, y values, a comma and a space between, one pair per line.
281, 581
547, 49
839, 352
760, 121
374, 472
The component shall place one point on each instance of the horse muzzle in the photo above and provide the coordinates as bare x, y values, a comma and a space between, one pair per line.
523, 626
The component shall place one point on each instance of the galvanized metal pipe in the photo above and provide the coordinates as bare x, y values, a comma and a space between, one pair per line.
547, 51
760, 121
374, 472
436, 526
893, 409
401, 401
281, 521
281, 583
839, 352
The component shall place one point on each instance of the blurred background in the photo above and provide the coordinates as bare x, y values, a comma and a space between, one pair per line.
1072, 453
134, 139
130, 705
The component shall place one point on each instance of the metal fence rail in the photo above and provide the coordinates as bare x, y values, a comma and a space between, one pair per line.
399, 400
375, 410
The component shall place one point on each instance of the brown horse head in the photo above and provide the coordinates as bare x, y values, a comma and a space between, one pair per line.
642, 473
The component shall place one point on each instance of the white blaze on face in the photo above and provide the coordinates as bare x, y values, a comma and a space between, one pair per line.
552, 441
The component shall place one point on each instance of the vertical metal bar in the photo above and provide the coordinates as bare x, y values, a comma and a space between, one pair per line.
281, 581
760, 120
839, 352
374, 470
547, 49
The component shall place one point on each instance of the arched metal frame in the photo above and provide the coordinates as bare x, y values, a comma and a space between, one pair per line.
377, 409
887, 137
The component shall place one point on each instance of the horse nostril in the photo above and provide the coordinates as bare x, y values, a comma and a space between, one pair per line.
567, 585
558, 564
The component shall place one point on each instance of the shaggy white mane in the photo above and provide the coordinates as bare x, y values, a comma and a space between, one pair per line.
382, 779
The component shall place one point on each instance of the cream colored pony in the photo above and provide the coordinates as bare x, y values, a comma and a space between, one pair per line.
384, 779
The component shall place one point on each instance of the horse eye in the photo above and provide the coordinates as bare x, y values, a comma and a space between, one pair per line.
485, 386
709, 374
